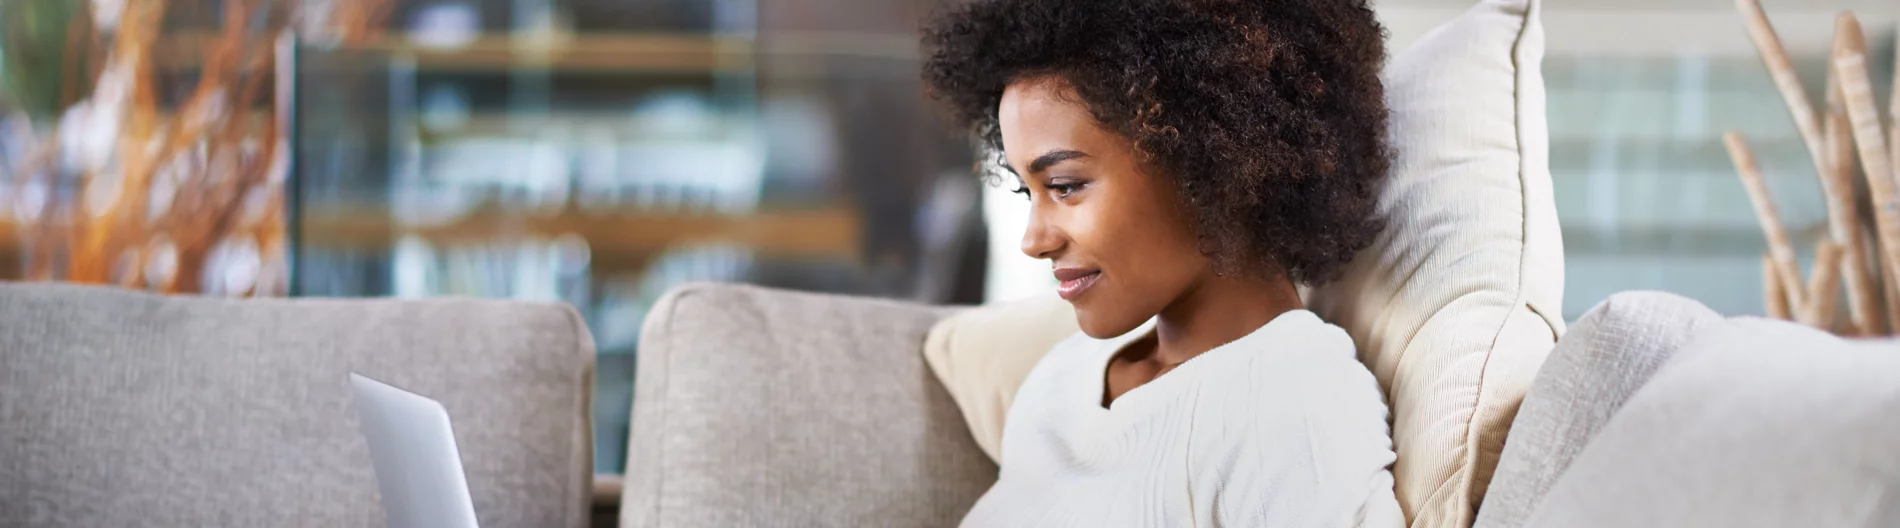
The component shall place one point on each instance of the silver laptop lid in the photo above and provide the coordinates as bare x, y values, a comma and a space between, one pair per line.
412, 447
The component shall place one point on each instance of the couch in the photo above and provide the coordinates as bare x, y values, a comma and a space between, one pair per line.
121, 408
759, 407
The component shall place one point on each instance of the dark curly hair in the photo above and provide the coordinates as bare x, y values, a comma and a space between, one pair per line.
1268, 114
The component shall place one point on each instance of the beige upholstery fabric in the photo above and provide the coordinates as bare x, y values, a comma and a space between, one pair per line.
1753, 423
982, 355
1457, 303
1609, 354
120, 408
756, 407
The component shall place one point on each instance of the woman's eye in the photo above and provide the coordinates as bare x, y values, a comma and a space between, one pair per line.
1022, 190
1062, 190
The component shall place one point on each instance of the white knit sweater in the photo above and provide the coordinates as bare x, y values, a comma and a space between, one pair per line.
1282, 427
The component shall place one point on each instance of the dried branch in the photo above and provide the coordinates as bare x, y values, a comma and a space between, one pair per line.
1850, 58
1843, 212
1780, 249
1774, 295
1824, 286
1775, 57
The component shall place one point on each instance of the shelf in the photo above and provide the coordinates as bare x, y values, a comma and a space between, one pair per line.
1680, 241
617, 241
608, 53
607, 489
580, 53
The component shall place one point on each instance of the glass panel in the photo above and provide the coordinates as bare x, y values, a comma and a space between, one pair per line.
1647, 196
600, 153
592, 152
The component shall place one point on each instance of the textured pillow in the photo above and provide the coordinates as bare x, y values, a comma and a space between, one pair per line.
982, 355
1457, 303
1453, 308
1612, 351
1753, 423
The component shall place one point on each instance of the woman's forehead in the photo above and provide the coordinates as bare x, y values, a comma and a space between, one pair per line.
1040, 115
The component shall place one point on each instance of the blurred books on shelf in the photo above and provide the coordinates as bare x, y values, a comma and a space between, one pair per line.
485, 52
613, 238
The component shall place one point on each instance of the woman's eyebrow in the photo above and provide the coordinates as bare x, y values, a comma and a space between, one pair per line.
1053, 157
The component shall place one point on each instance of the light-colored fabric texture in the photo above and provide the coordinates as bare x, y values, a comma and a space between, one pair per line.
121, 408
1753, 423
983, 354
757, 407
1604, 358
1282, 427
1457, 303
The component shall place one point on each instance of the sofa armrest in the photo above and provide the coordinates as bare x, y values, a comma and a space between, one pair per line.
1608, 354
757, 407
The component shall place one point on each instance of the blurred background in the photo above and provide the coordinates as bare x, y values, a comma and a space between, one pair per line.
600, 152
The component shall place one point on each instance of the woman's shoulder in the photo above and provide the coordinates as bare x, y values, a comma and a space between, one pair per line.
1299, 344
1302, 358
1340, 400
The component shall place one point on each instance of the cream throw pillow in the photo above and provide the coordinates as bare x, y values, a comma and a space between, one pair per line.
1457, 303
982, 355
1453, 308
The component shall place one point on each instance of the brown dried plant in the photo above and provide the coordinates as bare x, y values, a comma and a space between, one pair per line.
1860, 253
183, 180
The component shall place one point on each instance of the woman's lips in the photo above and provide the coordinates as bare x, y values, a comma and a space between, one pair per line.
1074, 281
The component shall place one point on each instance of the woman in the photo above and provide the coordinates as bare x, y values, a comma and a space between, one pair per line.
1188, 164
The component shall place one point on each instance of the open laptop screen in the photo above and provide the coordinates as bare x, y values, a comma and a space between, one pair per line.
418, 468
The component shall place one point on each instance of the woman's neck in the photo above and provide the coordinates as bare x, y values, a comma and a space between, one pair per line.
1218, 311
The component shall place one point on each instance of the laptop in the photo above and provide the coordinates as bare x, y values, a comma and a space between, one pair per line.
418, 468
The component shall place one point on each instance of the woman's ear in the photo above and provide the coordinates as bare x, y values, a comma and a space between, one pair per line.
1206, 244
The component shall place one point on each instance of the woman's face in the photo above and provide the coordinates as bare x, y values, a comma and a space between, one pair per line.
1120, 239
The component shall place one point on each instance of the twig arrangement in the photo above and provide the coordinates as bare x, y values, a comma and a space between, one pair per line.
1861, 252
162, 196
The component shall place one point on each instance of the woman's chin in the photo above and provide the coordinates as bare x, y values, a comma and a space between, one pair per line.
1100, 325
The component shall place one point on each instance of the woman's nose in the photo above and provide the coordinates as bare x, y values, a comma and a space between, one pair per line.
1041, 239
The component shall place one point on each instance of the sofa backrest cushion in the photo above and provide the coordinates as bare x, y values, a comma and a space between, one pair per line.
120, 408
758, 407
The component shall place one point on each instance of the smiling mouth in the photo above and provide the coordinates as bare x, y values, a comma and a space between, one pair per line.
1075, 282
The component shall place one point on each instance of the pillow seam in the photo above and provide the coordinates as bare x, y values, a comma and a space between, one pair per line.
1467, 471
665, 370
584, 448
